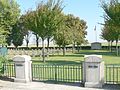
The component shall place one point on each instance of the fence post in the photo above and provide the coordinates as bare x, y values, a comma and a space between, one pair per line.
55, 73
93, 71
22, 68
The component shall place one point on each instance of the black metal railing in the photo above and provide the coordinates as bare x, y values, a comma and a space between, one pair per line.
57, 73
112, 73
63, 73
8, 70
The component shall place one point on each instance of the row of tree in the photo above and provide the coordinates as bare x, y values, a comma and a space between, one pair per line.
111, 29
47, 22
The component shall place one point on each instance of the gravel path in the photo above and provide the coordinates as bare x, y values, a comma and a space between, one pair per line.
6, 85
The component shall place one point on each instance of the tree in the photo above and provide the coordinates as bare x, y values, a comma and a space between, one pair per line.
27, 37
9, 13
112, 10
26, 32
37, 39
77, 28
106, 34
3, 35
29, 23
71, 31
72, 24
44, 20
62, 36
81, 33
17, 35
112, 15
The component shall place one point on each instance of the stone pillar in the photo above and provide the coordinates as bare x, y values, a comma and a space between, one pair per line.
93, 71
22, 68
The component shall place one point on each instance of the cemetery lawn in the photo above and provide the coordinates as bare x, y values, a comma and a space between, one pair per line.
76, 58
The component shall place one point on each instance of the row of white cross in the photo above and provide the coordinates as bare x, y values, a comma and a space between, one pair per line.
34, 52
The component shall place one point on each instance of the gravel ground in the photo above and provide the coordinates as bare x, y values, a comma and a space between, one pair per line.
7, 85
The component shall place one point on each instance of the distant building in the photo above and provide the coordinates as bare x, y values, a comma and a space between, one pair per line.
96, 46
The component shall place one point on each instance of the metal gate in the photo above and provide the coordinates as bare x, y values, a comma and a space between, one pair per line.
7, 71
57, 73
112, 73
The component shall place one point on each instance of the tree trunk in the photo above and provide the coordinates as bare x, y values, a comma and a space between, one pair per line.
64, 50
117, 50
59, 50
109, 45
43, 50
37, 40
73, 48
48, 43
78, 48
27, 43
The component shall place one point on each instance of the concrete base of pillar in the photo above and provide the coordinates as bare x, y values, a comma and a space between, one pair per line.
93, 84
21, 80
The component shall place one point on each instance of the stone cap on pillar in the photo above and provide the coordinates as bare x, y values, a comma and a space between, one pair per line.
93, 58
19, 58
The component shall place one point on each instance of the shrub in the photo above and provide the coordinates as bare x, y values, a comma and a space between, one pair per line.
2, 61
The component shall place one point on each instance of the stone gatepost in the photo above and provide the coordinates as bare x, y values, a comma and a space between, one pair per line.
93, 71
22, 68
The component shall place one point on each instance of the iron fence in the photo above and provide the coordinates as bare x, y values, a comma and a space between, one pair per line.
112, 73
64, 73
8, 70
57, 73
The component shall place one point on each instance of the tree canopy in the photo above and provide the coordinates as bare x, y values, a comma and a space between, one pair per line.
72, 31
112, 20
45, 19
9, 14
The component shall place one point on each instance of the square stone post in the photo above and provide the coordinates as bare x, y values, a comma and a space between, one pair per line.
22, 68
93, 71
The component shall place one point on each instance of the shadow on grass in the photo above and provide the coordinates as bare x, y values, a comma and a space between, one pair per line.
97, 52
77, 55
58, 62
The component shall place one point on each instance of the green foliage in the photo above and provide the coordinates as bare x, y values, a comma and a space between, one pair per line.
48, 21
106, 33
71, 31
81, 32
112, 10
2, 60
17, 34
62, 36
9, 13
45, 20
112, 19
2, 36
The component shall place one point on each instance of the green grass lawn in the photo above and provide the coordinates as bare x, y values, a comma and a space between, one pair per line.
70, 58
